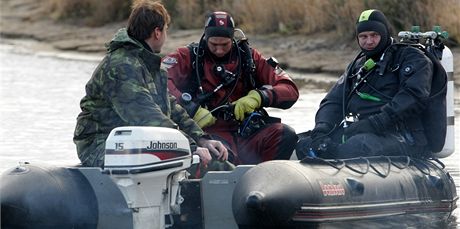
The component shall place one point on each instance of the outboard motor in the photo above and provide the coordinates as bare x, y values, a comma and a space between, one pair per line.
138, 187
147, 164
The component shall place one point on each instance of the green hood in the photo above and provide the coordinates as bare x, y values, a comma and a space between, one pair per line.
121, 38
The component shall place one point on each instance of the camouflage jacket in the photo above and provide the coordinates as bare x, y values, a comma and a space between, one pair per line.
128, 88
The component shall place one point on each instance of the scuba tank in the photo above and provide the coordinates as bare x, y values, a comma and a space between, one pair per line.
447, 62
433, 44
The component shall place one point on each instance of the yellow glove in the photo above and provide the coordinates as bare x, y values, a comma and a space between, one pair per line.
204, 118
247, 104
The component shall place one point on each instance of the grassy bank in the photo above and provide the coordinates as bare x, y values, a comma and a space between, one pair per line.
274, 16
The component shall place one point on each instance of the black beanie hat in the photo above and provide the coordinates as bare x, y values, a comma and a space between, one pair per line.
374, 20
219, 24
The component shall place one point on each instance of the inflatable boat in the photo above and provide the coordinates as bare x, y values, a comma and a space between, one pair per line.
144, 184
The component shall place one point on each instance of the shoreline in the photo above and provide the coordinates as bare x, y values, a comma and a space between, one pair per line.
313, 54
295, 53
306, 81
318, 68
29, 19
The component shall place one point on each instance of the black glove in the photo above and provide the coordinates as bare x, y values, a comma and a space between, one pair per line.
381, 122
321, 129
324, 148
377, 124
320, 143
319, 134
363, 126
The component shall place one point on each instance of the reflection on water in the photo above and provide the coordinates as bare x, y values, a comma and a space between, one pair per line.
40, 97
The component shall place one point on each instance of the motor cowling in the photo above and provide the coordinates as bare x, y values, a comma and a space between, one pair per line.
139, 149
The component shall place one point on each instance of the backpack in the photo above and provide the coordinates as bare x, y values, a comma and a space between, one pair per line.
434, 116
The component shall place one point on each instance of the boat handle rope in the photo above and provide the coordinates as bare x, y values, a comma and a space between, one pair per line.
341, 163
356, 170
370, 165
421, 166
438, 163
401, 167
387, 171
337, 164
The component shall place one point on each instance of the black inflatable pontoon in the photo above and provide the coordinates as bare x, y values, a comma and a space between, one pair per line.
289, 193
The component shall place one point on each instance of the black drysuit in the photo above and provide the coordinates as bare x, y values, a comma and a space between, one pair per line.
390, 97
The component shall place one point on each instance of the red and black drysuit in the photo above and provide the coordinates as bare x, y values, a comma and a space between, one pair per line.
273, 141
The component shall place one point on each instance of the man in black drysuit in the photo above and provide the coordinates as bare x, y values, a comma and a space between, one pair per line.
375, 107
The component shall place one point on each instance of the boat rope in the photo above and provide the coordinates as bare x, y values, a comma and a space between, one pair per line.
387, 170
405, 165
337, 163
400, 162
421, 165
439, 163
356, 170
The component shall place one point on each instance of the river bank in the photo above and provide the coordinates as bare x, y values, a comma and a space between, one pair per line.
317, 53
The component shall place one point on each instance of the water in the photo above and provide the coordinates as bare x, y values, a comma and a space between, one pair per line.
39, 101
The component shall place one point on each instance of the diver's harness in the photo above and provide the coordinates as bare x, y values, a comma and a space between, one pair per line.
432, 47
245, 66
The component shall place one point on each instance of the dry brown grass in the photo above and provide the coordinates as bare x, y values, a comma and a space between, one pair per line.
276, 16
89, 12
312, 16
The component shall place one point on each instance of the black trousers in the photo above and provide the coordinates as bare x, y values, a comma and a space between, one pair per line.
362, 145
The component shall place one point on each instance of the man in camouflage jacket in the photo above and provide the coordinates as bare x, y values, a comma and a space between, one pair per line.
128, 88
